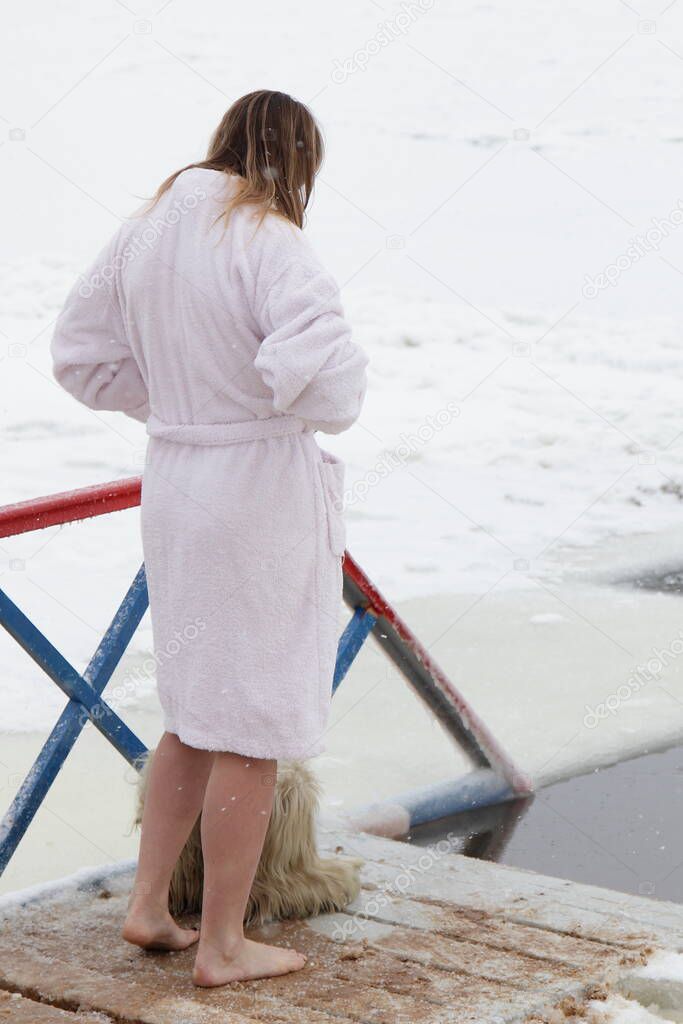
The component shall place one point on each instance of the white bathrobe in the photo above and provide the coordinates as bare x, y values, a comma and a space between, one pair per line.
231, 344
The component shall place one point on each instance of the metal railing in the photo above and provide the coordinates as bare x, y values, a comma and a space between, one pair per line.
494, 778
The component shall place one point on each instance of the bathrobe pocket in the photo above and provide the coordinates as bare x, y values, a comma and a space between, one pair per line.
332, 476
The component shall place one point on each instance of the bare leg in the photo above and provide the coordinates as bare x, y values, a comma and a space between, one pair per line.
177, 780
237, 807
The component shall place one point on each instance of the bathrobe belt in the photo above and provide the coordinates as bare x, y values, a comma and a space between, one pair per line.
225, 433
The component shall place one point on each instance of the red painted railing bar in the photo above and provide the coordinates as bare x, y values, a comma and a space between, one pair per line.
69, 506
380, 607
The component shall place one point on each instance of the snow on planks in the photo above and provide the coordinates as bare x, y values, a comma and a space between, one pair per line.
434, 937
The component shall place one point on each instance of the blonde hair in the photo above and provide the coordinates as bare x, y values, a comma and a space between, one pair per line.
273, 144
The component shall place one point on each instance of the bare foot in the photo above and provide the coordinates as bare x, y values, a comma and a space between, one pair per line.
250, 960
156, 930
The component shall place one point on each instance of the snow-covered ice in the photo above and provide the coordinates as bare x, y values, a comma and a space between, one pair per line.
617, 1010
651, 993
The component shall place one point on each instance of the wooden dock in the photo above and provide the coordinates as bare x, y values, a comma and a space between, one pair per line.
435, 937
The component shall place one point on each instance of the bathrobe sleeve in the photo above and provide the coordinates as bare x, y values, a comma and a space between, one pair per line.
91, 356
307, 357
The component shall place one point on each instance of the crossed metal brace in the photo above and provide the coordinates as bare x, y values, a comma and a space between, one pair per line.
86, 704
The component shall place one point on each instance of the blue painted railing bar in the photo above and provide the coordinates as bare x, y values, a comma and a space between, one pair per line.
352, 639
397, 815
119, 634
61, 740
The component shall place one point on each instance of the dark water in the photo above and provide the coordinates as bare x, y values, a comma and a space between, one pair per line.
669, 582
620, 827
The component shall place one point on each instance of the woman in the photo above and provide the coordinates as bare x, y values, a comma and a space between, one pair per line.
212, 320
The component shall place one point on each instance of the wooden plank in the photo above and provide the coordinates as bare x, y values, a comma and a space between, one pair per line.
482, 928
371, 970
525, 897
386, 992
17, 1010
83, 929
155, 999
77, 988
472, 958
155, 991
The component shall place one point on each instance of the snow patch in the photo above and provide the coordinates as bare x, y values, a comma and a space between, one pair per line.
663, 964
648, 994
617, 1010
81, 879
